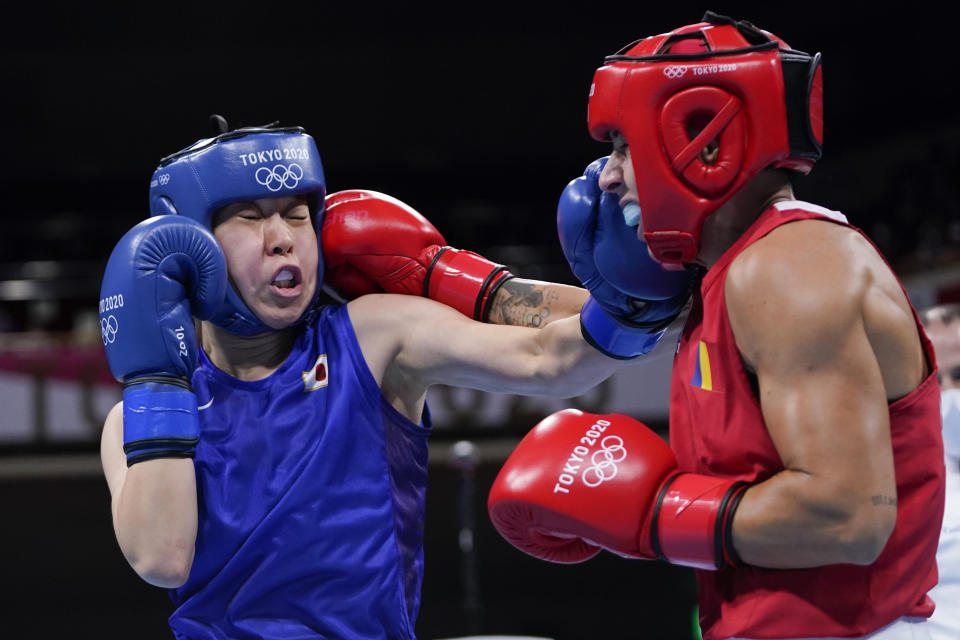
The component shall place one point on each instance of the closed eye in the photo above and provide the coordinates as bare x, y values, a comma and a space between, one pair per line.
298, 209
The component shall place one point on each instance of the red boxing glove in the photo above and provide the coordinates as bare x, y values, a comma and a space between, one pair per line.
579, 482
374, 243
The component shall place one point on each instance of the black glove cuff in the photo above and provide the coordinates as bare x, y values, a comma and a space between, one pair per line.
433, 263
480, 310
727, 556
177, 382
155, 455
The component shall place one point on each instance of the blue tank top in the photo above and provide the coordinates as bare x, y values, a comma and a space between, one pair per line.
311, 492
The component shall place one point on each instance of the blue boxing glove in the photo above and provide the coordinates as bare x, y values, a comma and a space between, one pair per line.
632, 297
161, 271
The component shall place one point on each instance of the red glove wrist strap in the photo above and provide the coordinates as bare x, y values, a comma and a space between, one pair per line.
693, 521
494, 281
464, 280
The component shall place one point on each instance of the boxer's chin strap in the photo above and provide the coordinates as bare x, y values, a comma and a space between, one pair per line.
311, 313
693, 521
236, 317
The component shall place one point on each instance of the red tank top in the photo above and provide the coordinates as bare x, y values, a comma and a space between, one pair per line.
716, 428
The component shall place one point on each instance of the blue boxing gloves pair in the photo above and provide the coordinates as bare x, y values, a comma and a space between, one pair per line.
161, 273
632, 298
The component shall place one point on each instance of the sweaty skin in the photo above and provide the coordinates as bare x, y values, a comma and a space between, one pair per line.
829, 356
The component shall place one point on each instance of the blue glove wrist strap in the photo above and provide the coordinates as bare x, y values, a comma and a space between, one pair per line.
159, 421
613, 337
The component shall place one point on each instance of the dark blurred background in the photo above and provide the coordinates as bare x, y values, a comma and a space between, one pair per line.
473, 113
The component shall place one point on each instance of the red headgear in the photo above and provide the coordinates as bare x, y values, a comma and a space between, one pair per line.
736, 84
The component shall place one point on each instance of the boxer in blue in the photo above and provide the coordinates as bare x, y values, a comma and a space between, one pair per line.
273, 475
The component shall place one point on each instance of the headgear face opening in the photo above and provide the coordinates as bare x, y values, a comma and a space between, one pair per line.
241, 165
743, 87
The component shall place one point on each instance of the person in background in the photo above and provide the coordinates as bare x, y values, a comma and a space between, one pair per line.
942, 323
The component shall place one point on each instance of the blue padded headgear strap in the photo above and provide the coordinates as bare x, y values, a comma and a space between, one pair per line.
241, 165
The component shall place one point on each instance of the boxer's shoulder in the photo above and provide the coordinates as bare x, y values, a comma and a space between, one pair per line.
797, 289
802, 266
821, 284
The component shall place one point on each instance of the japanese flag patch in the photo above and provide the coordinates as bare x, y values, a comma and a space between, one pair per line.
317, 377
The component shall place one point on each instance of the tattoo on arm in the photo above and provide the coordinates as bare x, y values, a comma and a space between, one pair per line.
884, 501
522, 304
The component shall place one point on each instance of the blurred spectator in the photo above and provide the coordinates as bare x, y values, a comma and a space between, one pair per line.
943, 326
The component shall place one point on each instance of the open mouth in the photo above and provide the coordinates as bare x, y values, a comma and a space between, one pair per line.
287, 280
631, 213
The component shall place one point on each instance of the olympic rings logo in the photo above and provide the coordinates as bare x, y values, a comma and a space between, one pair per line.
280, 176
604, 461
164, 178
108, 329
673, 72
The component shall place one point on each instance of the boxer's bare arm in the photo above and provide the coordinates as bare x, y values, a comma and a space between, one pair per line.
812, 338
411, 343
533, 303
154, 507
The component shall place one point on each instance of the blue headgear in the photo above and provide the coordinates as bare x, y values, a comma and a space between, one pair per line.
245, 164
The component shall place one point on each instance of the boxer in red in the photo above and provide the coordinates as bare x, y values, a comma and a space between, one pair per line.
804, 476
